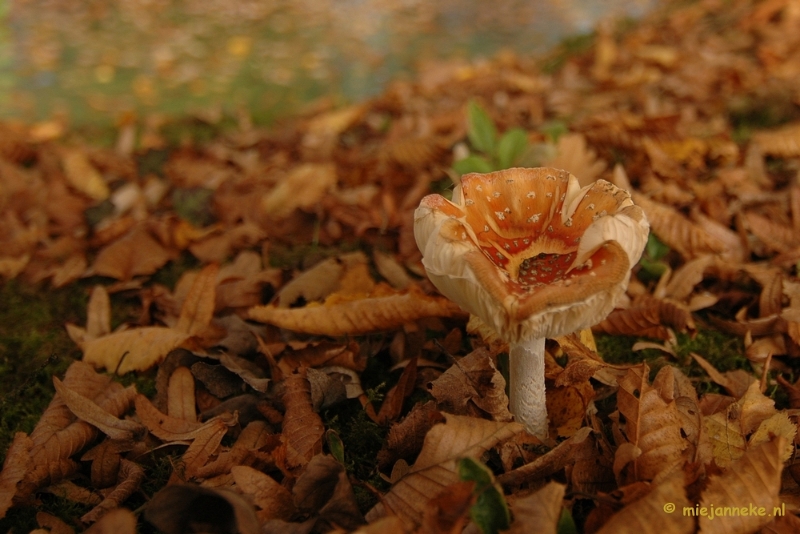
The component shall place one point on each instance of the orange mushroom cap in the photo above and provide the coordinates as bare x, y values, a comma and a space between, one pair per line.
529, 251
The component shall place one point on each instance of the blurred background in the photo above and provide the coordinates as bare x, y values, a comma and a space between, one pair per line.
98, 61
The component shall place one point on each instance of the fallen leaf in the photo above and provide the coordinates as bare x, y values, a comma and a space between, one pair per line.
651, 424
539, 511
185, 508
82, 175
85, 409
136, 253
15, 465
273, 500
435, 467
383, 310
638, 517
302, 427
751, 483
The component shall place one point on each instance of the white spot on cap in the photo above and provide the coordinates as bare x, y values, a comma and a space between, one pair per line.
500, 215
531, 194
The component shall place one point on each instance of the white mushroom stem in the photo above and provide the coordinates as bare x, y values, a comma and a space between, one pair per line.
526, 377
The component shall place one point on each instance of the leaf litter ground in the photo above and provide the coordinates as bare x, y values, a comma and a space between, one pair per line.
303, 374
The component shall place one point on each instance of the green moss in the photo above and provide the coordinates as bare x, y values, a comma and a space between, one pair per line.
34, 346
725, 352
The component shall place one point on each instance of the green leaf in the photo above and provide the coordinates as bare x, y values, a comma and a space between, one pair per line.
554, 129
472, 164
655, 248
481, 130
490, 511
335, 445
566, 525
511, 146
651, 270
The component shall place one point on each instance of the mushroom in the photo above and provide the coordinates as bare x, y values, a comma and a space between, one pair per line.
532, 255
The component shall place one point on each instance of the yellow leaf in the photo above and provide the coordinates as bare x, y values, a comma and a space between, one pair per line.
82, 175
338, 316
133, 350
198, 308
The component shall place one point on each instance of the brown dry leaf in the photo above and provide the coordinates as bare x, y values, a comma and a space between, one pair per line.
575, 156
319, 281
131, 476
136, 253
202, 449
198, 307
782, 142
473, 386
545, 465
182, 508
321, 354
683, 281
639, 516
168, 428
393, 403
246, 450
302, 427
405, 438
273, 500
133, 350
389, 268
675, 230
82, 175
435, 467
538, 512
180, 395
449, 512
98, 313
85, 409
15, 466
647, 316
651, 424
117, 521
324, 490
775, 236
105, 458
303, 187
567, 405
383, 309
140, 348
54, 525
729, 430
753, 481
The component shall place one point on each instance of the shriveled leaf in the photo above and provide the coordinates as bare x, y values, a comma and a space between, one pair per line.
98, 313
15, 466
185, 507
639, 517
324, 490
405, 438
435, 467
166, 427
137, 349
648, 316
449, 511
180, 395
136, 253
131, 476
116, 521
273, 500
540, 511
651, 424
382, 310
547, 464
473, 386
198, 308
573, 155
302, 427
82, 175
677, 231
203, 448
751, 483
85, 409
393, 403
302, 188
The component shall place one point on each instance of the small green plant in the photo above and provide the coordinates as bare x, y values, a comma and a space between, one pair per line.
652, 264
490, 511
493, 151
